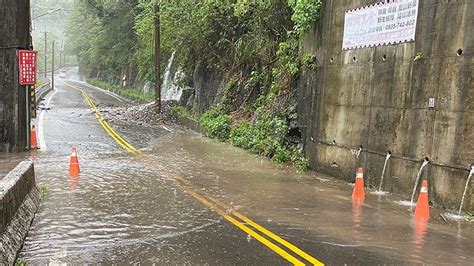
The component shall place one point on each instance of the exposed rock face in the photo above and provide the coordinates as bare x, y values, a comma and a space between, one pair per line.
208, 87
378, 98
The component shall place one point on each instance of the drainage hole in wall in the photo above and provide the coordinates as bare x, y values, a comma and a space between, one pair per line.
459, 53
354, 59
331, 59
384, 57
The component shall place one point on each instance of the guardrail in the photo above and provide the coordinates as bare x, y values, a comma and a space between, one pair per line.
42, 90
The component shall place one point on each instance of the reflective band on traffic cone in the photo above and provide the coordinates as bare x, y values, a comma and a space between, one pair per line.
33, 141
74, 164
422, 206
358, 192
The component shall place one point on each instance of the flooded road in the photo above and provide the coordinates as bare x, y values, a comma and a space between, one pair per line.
119, 209
175, 203
316, 212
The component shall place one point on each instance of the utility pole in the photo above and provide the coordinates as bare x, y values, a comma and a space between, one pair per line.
157, 59
64, 53
61, 50
15, 35
45, 55
52, 67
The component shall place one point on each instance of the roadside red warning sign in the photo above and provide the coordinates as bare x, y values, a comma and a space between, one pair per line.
27, 66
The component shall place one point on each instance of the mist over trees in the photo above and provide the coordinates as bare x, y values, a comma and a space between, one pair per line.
113, 38
52, 25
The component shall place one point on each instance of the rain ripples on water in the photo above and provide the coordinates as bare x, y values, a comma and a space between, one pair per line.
114, 209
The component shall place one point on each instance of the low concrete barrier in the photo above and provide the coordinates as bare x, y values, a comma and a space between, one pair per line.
190, 123
19, 201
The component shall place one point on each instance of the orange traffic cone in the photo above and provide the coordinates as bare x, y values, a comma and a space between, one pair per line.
422, 210
74, 164
358, 192
33, 141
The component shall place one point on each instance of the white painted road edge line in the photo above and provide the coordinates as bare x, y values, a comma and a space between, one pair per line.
110, 93
42, 142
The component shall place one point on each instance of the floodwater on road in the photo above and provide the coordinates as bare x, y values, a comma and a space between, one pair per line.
119, 209
125, 208
315, 211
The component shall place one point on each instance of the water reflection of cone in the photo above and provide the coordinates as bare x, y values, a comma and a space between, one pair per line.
74, 164
358, 192
357, 205
421, 226
73, 182
33, 140
422, 210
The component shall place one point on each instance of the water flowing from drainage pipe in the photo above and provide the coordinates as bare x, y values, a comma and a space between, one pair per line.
465, 189
425, 162
387, 157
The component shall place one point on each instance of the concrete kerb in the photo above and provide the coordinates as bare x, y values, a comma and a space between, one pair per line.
19, 201
190, 123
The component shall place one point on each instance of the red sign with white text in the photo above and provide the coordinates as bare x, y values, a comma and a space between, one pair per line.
27, 66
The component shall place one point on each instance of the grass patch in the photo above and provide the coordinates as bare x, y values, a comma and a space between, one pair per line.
127, 92
215, 124
43, 191
21, 262
180, 111
267, 136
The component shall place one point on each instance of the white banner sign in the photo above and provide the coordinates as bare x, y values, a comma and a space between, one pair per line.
388, 22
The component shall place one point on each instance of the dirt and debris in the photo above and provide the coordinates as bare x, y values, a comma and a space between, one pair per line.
143, 114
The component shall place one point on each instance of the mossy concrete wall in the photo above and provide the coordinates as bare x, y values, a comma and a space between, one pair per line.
19, 201
378, 97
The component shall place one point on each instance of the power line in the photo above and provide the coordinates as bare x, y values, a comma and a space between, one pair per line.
101, 10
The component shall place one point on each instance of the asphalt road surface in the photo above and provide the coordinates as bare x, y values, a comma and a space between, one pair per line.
167, 195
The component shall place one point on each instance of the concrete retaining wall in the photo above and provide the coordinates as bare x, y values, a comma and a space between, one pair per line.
19, 201
378, 97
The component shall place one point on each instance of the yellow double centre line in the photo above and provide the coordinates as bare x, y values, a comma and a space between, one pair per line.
122, 142
234, 217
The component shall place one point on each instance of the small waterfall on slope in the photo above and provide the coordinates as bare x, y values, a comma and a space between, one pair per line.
169, 90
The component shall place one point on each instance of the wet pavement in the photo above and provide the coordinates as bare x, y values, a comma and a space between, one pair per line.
315, 212
126, 208
119, 209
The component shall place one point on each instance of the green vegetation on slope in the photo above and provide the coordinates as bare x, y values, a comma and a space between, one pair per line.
252, 45
127, 92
